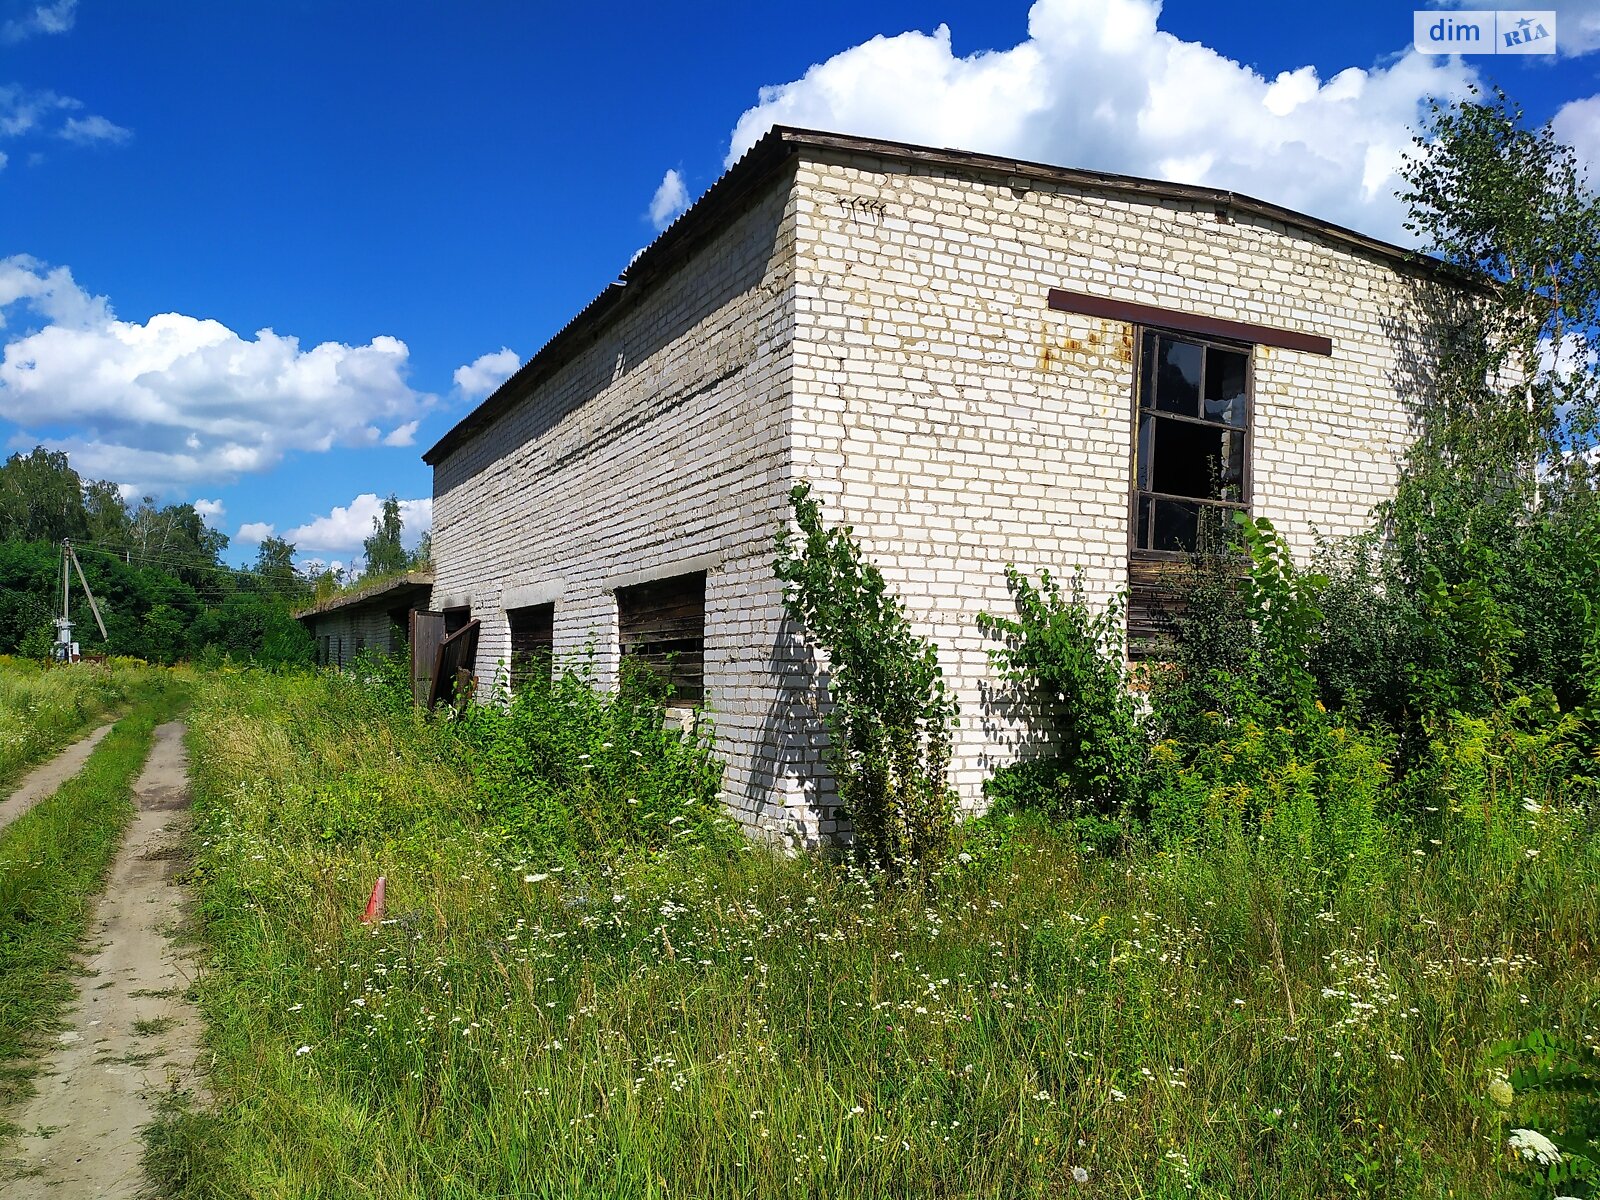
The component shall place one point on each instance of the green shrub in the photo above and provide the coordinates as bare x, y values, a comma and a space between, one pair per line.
1370, 636
1068, 664
1307, 795
573, 771
1553, 1086
889, 726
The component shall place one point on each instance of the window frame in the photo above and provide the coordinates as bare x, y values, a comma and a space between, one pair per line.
630, 636
1246, 503
525, 666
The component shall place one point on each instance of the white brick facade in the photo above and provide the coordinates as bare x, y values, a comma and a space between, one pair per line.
877, 324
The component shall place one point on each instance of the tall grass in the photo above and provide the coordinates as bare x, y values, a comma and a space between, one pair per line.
707, 1022
52, 860
41, 709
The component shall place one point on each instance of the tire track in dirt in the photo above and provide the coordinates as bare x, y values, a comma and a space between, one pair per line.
131, 1034
43, 780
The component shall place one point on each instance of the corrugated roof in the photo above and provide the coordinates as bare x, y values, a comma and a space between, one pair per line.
379, 590
782, 143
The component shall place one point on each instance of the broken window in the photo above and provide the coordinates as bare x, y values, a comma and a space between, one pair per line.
532, 644
1192, 459
1191, 469
661, 625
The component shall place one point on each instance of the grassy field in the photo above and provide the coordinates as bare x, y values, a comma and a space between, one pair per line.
1041, 1021
42, 709
52, 861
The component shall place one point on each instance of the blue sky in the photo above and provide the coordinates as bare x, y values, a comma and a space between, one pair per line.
413, 196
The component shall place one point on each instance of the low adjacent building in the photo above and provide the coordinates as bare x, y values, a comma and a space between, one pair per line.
974, 361
374, 617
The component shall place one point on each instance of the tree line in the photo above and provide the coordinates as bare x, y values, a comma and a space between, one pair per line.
157, 571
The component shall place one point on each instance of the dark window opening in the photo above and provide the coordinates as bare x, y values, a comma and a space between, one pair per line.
533, 635
399, 628
662, 626
1192, 456
1191, 469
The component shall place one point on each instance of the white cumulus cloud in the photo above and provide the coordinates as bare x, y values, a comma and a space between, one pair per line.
210, 509
180, 400
347, 526
30, 114
1578, 124
40, 19
1098, 84
87, 130
671, 198
486, 372
255, 532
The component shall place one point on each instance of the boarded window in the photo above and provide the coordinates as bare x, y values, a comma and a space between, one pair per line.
662, 625
532, 644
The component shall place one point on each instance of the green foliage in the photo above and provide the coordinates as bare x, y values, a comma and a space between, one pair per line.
1509, 205
737, 1022
889, 725
41, 498
1555, 1088
1370, 637
1245, 641
382, 549
43, 708
1067, 661
571, 772
1281, 602
156, 570
1309, 795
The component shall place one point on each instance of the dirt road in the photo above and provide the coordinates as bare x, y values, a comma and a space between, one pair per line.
131, 1036
43, 780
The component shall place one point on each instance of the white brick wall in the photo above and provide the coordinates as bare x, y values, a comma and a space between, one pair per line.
881, 329
958, 423
663, 443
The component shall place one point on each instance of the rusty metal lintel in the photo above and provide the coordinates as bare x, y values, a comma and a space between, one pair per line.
1166, 318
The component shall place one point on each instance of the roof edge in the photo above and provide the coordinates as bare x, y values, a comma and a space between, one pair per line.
783, 142
382, 587
695, 224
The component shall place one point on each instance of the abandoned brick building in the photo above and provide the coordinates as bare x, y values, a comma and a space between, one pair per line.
974, 361
375, 617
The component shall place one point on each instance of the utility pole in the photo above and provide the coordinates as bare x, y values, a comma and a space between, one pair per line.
63, 647
66, 650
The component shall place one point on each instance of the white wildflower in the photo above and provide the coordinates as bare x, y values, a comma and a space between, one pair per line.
1080, 1175
539, 878
1534, 1147
1500, 1090
304, 1050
